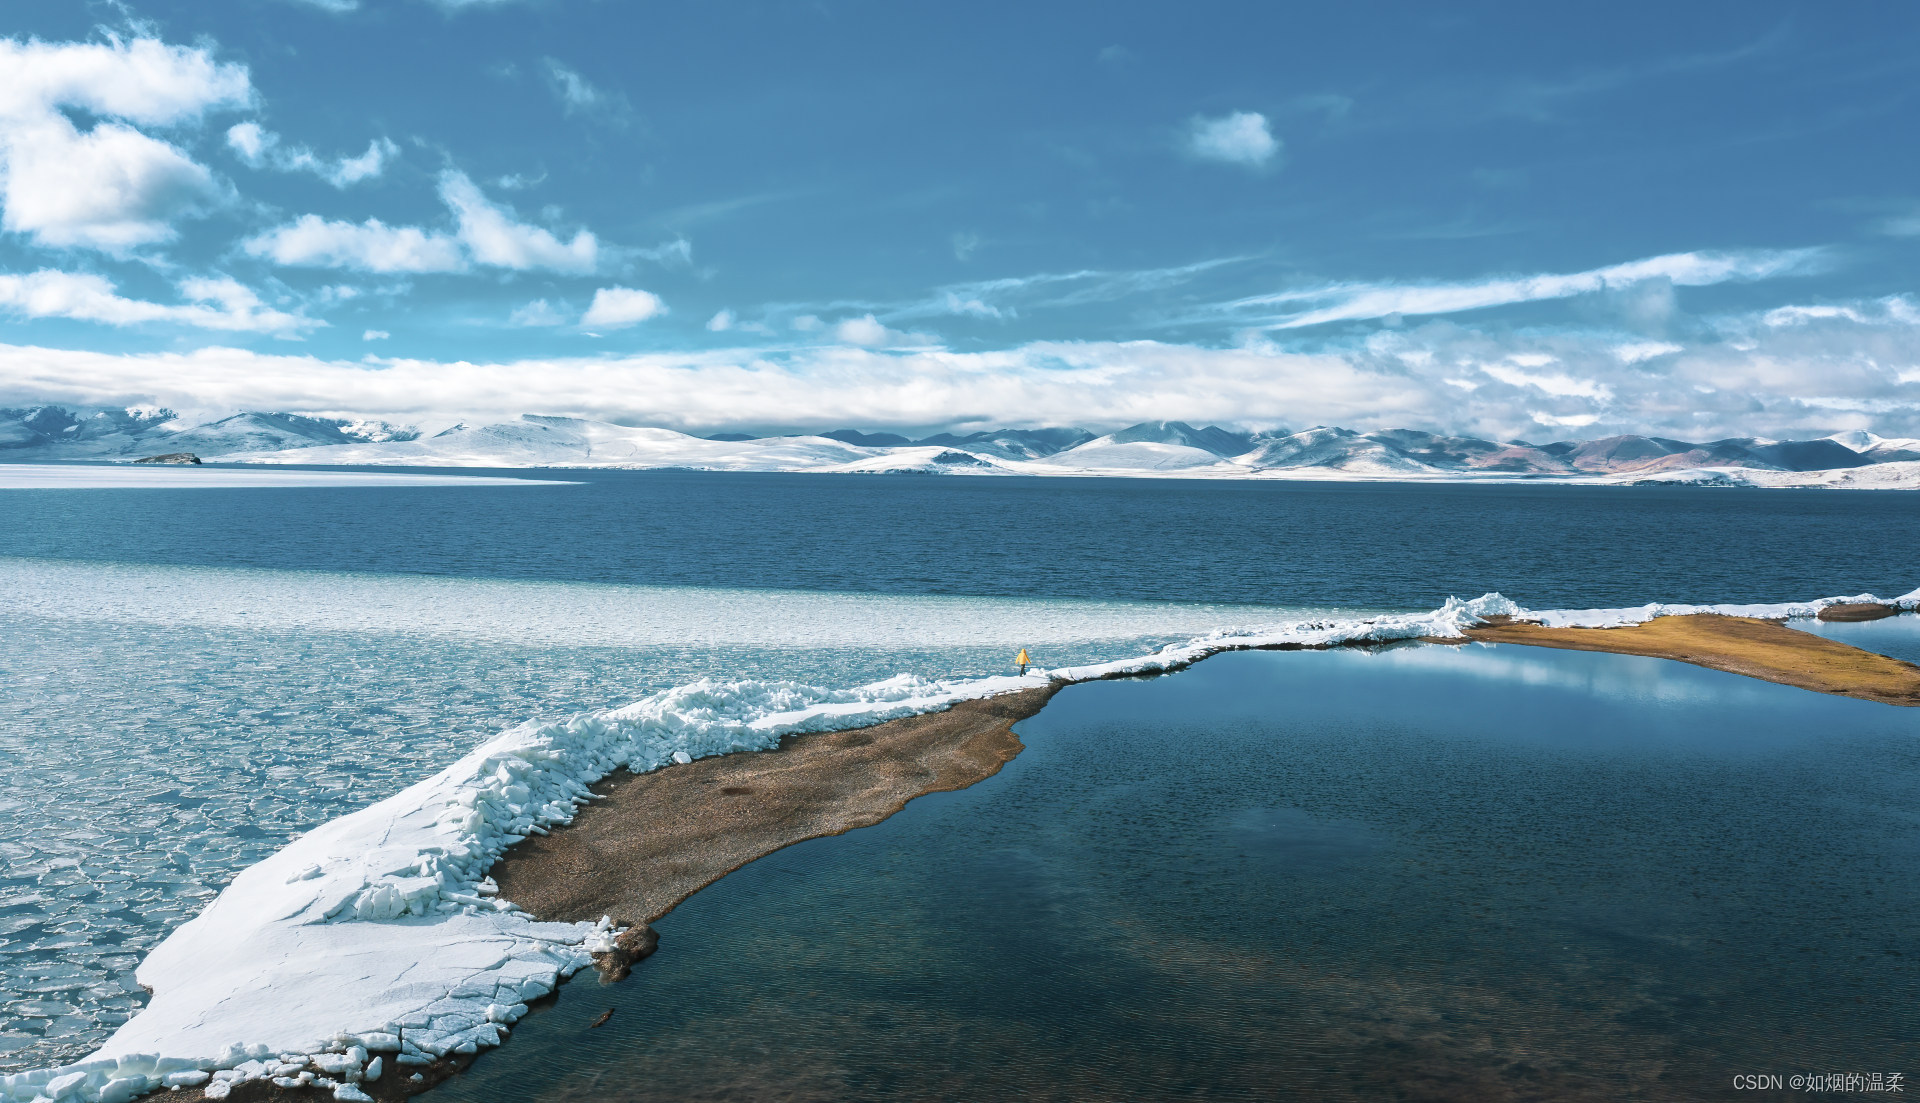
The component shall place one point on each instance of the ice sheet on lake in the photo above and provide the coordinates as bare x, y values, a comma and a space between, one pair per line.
584, 614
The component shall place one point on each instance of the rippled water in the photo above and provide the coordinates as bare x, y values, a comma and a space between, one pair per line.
1473, 874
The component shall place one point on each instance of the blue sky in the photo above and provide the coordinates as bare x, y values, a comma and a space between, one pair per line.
1513, 220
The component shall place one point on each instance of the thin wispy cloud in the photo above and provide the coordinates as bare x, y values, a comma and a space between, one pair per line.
539, 312
220, 304
1540, 99
1003, 298
578, 95
259, 148
1346, 302
1008, 296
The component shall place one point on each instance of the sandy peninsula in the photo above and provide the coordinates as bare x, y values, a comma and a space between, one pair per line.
656, 839
1763, 649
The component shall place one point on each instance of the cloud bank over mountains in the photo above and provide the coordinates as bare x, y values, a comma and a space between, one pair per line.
1774, 375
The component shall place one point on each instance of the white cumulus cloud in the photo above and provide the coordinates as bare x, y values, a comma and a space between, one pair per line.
371, 246
620, 307
721, 321
495, 238
1242, 138
111, 187
215, 303
484, 233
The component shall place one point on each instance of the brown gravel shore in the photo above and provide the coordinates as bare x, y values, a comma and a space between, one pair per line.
1858, 610
1763, 649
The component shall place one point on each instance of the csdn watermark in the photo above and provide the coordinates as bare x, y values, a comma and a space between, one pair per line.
1822, 1082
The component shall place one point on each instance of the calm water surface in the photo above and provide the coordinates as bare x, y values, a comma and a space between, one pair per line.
1896, 636
1423, 873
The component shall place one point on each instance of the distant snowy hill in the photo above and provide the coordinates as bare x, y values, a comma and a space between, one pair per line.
1147, 450
49, 432
1334, 449
57, 433
1878, 449
537, 441
1153, 446
1014, 444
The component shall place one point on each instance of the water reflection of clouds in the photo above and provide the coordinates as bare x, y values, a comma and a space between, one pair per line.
1619, 676
1896, 636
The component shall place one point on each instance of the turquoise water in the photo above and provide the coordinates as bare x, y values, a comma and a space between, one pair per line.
1424, 872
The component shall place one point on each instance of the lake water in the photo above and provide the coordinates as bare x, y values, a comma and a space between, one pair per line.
1472, 874
1353, 545
190, 678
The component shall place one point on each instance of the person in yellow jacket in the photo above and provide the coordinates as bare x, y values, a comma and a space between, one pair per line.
1022, 660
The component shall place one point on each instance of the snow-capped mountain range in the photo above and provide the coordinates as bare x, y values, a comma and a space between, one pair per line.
53, 432
1168, 448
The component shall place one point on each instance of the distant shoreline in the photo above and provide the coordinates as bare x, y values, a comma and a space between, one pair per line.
228, 473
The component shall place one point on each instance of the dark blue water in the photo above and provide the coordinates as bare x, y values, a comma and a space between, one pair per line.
1423, 873
1396, 546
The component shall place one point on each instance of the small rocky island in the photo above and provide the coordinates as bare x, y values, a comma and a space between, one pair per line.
171, 457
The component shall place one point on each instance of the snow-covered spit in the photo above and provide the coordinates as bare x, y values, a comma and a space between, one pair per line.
377, 941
